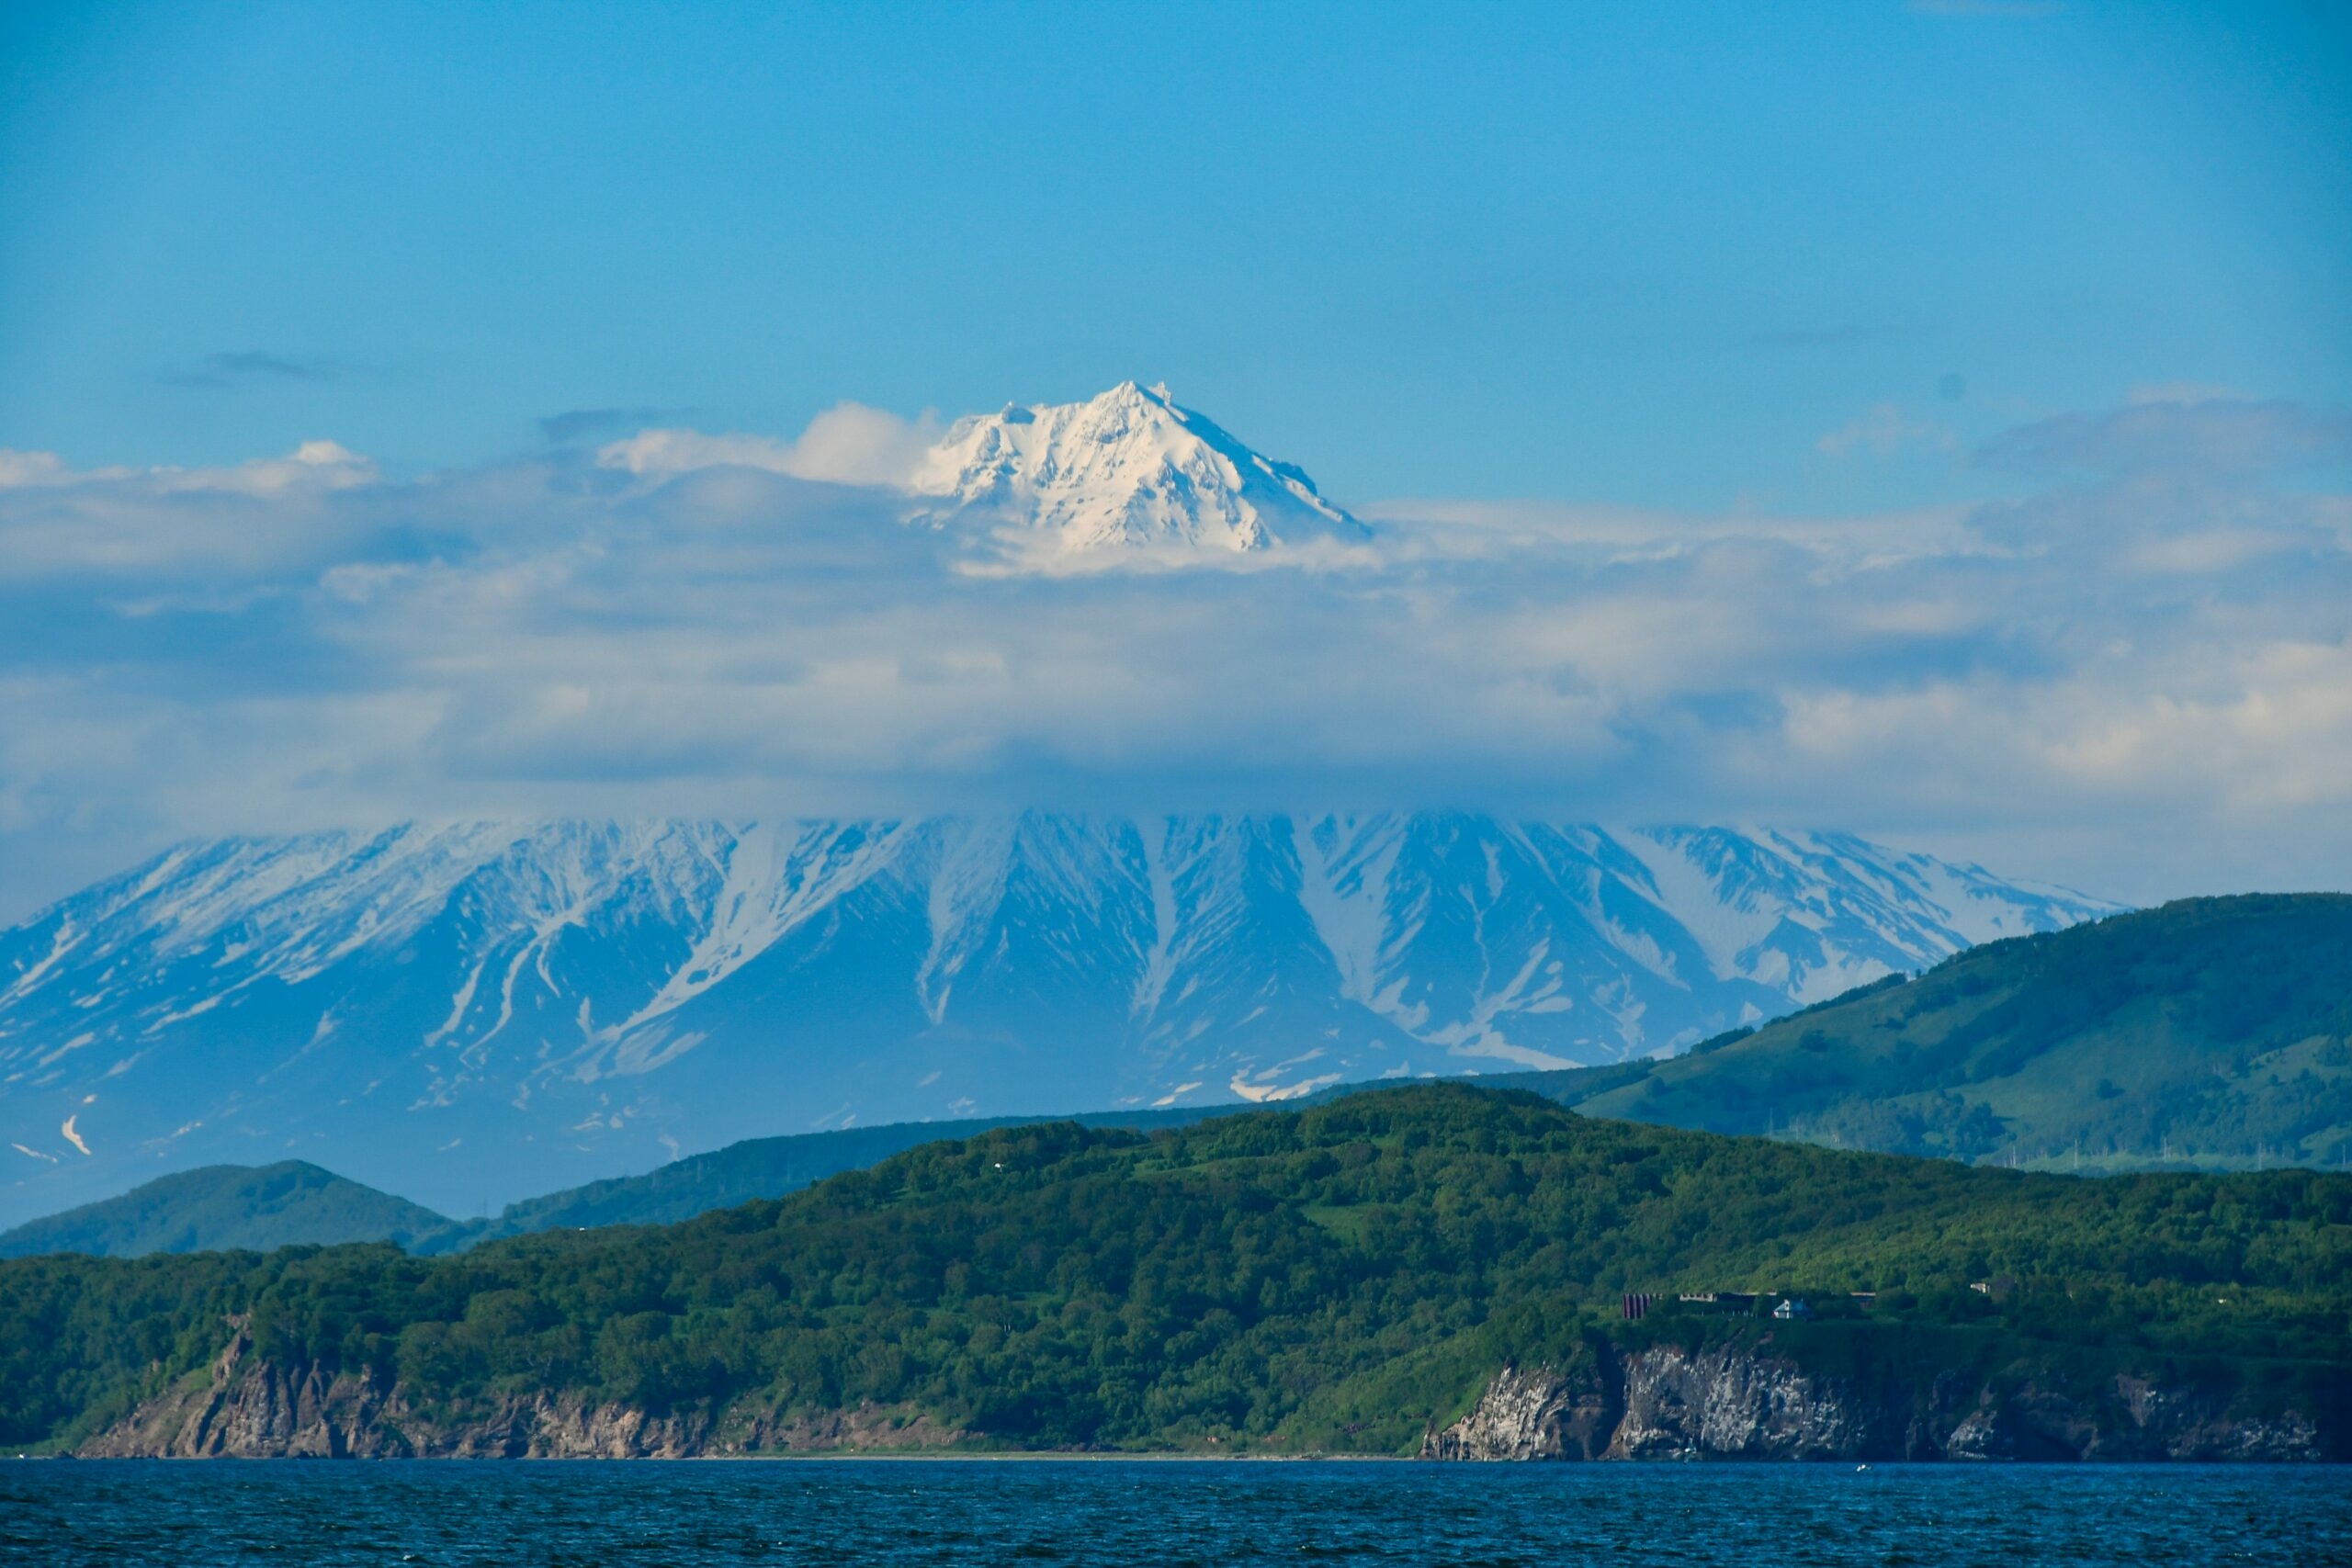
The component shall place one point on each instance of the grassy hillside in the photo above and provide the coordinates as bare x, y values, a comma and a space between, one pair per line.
1332, 1278
2211, 1033
228, 1207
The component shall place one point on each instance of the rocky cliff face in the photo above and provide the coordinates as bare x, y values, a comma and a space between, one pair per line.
245, 1407
1533, 1414
1743, 1403
1728, 1401
2132, 1420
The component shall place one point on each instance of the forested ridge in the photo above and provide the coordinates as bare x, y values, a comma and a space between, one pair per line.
2210, 1033
1329, 1278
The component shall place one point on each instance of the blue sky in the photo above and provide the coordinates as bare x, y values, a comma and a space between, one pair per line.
1928, 421
1651, 255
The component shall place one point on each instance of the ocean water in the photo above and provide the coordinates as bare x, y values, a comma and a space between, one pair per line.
128, 1514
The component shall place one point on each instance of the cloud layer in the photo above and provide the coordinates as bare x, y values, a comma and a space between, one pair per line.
848, 443
2134, 675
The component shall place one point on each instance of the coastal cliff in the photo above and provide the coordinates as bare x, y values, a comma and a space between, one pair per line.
1666, 1402
245, 1407
1744, 1402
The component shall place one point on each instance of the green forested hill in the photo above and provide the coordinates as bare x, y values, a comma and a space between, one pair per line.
255, 1208
1328, 1277
299, 1204
760, 1167
223, 1207
2210, 1033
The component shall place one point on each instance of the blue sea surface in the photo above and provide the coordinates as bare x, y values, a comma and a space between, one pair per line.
126, 1514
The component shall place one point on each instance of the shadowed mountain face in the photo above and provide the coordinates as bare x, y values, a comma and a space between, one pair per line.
2214, 1032
472, 1013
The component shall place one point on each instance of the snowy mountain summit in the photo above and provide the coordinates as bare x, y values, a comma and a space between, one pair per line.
1128, 468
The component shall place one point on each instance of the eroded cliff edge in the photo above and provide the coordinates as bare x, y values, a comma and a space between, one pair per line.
1738, 1402
1661, 1401
244, 1407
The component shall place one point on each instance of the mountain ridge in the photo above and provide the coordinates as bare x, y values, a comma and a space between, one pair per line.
2209, 1033
508, 1009
224, 1208
1884, 1072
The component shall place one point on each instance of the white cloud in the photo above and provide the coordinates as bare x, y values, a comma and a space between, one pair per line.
23, 469
188, 524
2150, 668
851, 443
2228, 732
1884, 430
2199, 441
664, 452
848, 443
324, 464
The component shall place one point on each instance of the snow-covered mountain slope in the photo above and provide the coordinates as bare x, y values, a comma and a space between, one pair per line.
469, 1013
1128, 468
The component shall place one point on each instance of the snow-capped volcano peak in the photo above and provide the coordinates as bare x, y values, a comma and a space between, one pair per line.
1127, 468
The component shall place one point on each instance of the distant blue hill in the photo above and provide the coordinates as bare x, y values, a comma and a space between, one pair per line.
226, 1207
223, 1208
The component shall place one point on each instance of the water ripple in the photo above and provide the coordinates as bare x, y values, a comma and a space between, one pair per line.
132, 1514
